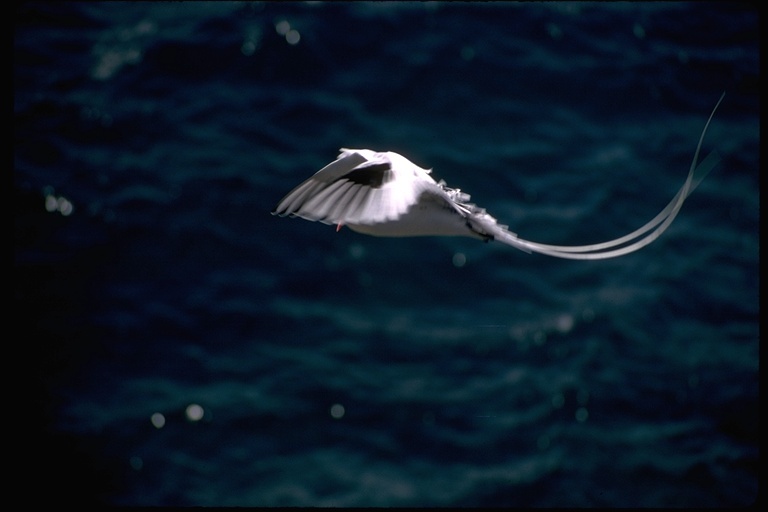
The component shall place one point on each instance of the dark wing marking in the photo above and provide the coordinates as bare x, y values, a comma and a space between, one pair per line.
374, 175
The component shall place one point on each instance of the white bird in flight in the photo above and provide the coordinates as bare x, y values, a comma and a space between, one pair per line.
385, 194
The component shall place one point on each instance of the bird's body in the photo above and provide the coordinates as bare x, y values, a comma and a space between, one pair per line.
385, 194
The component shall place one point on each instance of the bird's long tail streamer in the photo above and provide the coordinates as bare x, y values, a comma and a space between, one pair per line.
640, 237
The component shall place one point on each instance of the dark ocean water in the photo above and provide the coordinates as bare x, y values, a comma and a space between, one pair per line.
184, 347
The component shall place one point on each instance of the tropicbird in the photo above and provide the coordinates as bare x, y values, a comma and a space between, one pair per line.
385, 194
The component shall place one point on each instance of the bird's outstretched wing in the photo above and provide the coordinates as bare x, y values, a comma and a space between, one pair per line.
360, 187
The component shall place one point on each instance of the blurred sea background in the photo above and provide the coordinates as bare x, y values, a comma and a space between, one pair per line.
183, 347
